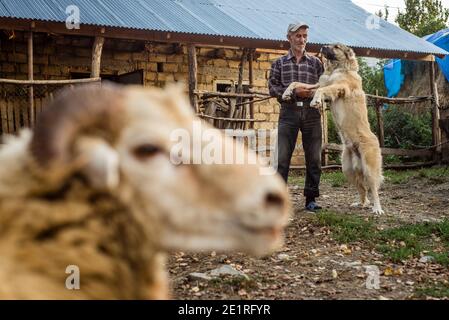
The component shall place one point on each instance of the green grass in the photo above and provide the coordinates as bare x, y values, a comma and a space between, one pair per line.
336, 179
397, 244
436, 290
398, 177
417, 238
347, 228
434, 175
296, 180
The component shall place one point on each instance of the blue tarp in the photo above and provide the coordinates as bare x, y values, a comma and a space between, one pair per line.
394, 69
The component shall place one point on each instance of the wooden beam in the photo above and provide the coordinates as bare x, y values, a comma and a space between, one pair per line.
228, 119
380, 124
97, 50
387, 166
231, 95
49, 82
193, 76
399, 100
31, 78
178, 37
238, 112
389, 151
251, 85
436, 132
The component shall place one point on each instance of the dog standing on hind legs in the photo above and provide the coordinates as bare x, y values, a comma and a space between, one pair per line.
341, 87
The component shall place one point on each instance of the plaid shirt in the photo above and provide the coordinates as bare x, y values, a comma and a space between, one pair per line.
286, 70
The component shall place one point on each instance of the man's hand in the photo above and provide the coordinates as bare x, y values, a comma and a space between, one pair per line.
304, 93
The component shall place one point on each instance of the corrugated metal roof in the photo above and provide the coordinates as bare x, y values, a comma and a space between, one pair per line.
330, 20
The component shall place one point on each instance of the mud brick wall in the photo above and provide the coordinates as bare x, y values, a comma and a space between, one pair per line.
59, 57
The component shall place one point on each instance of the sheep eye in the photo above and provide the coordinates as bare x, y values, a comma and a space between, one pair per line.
146, 151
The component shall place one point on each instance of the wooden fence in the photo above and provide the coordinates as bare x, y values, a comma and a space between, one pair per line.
16, 109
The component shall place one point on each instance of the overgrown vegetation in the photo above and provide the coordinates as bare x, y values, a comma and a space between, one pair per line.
406, 130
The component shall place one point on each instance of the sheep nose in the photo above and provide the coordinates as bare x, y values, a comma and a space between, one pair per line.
274, 200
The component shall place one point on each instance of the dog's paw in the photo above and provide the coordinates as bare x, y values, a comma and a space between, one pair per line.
378, 211
288, 93
316, 104
366, 204
317, 101
287, 96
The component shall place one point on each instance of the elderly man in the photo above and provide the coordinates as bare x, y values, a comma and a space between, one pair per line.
296, 114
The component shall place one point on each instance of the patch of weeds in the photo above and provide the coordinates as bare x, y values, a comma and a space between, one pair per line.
441, 258
410, 240
435, 290
397, 244
347, 228
392, 159
436, 175
397, 253
399, 177
436, 172
336, 178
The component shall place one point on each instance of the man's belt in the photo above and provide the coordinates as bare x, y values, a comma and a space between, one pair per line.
300, 104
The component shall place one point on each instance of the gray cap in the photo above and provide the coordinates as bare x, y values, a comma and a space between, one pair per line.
293, 27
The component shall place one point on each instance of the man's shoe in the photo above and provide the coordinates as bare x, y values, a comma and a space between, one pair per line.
312, 206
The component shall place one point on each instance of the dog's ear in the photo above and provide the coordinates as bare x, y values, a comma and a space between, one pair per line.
349, 53
322, 58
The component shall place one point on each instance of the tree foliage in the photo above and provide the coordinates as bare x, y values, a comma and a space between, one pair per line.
423, 17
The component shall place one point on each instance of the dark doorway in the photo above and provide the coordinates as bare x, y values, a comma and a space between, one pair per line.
134, 77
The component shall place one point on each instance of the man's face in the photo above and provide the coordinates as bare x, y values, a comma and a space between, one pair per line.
298, 39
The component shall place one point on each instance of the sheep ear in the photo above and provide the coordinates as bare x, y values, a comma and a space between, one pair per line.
176, 95
100, 163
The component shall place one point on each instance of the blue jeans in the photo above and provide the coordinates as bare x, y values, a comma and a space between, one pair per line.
292, 119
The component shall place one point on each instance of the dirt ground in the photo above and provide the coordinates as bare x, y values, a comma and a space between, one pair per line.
314, 265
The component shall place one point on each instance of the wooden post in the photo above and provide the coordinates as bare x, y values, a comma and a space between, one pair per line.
31, 77
193, 77
380, 124
97, 50
237, 112
436, 133
251, 85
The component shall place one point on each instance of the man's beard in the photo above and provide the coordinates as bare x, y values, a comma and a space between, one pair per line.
301, 48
